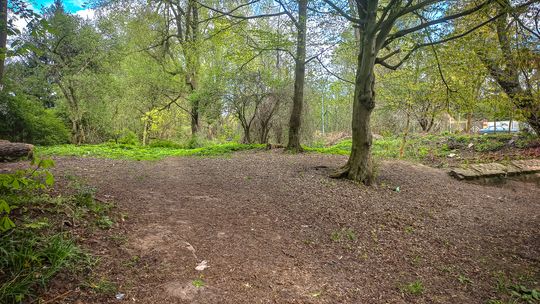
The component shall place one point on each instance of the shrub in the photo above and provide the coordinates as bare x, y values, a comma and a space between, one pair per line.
128, 137
163, 143
487, 146
26, 120
196, 142
527, 140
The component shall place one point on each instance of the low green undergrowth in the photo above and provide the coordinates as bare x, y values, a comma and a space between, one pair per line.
432, 147
383, 148
28, 260
136, 152
36, 240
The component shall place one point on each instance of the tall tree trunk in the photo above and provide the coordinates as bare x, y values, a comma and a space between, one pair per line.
299, 78
247, 135
507, 74
194, 117
191, 53
468, 127
359, 167
145, 131
3, 39
405, 134
77, 130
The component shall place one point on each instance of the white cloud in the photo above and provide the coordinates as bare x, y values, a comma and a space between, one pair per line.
20, 24
86, 13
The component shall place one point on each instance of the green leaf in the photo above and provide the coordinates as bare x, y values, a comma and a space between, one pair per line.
46, 163
49, 179
38, 224
15, 184
6, 224
4, 206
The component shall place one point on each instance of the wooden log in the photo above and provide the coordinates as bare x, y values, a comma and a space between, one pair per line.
13, 151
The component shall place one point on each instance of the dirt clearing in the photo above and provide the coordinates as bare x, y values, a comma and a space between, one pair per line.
267, 227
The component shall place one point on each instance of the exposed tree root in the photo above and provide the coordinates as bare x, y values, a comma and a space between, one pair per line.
294, 149
345, 172
342, 172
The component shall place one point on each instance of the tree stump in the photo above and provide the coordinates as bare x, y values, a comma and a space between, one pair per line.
14, 151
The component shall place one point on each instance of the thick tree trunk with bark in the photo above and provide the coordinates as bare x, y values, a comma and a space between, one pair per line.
299, 78
3, 39
359, 167
468, 127
507, 74
77, 129
375, 21
13, 151
247, 134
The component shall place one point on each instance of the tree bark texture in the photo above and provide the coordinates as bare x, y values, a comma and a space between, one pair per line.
13, 151
359, 167
3, 39
508, 77
299, 79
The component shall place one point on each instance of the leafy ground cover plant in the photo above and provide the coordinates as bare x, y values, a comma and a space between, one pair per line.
34, 244
136, 152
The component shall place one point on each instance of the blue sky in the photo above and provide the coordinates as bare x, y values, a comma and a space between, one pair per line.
71, 6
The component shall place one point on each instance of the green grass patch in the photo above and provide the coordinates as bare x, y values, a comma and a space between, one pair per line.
29, 260
430, 147
383, 148
414, 288
36, 245
135, 152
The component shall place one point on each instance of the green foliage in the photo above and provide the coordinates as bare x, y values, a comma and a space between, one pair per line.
198, 283
101, 285
464, 280
84, 195
104, 222
427, 147
526, 140
196, 142
128, 137
163, 143
487, 146
345, 233
514, 292
28, 261
414, 288
38, 224
34, 250
24, 119
525, 294
140, 152
12, 185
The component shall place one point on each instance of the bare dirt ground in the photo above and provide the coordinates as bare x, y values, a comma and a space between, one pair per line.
274, 228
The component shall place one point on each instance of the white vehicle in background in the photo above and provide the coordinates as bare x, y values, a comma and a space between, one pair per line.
507, 126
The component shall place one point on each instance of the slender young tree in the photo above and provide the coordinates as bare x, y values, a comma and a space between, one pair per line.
3, 38
182, 19
300, 24
380, 25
